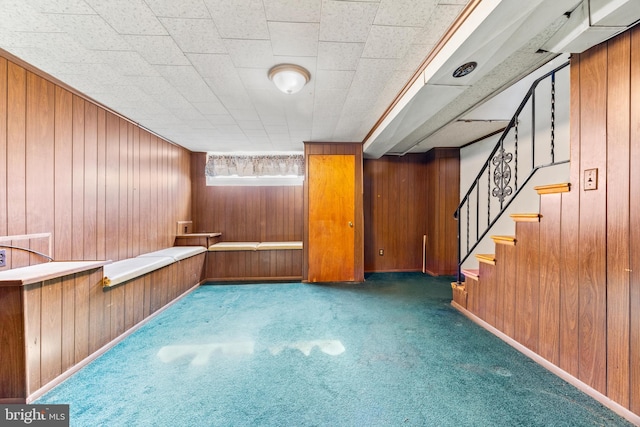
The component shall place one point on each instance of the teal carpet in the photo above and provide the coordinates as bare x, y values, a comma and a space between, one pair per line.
390, 352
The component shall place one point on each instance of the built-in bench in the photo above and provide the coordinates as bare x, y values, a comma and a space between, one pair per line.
127, 269
251, 261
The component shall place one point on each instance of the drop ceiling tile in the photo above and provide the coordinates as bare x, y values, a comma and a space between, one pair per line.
253, 126
339, 56
304, 10
128, 63
178, 9
220, 119
336, 80
250, 53
18, 16
256, 79
243, 19
441, 19
414, 57
77, 7
211, 108
343, 21
158, 50
294, 38
388, 42
244, 114
371, 77
129, 16
406, 13
195, 35
91, 31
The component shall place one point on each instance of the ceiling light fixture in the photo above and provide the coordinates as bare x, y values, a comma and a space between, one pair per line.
289, 78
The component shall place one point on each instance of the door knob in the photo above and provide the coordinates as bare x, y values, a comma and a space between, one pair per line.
350, 224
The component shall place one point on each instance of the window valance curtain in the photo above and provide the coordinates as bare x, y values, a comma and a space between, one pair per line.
226, 165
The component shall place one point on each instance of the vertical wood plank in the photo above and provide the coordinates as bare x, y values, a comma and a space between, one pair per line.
617, 218
592, 273
32, 306
3, 146
90, 181
12, 357
551, 209
634, 228
81, 319
112, 195
527, 284
510, 272
77, 229
68, 323
51, 332
39, 152
16, 150
123, 192
101, 197
63, 155
569, 239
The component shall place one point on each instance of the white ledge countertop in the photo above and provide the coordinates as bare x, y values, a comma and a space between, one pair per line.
49, 270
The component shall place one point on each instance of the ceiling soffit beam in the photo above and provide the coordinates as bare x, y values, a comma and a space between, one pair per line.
462, 24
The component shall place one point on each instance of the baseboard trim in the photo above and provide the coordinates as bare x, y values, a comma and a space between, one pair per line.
595, 394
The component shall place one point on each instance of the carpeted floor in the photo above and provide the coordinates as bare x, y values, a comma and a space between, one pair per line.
390, 352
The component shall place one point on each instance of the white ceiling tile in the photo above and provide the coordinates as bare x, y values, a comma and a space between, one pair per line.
256, 79
158, 50
18, 16
129, 16
414, 57
244, 114
388, 42
250, 53
336, 80
251, 126
91, 31
406, 13
178, 9
195, 35
220, 119
294, 38
339, 56
241, 19
371, 76
343, 21
77, 7
210, 108
441, 19
303, 11
128, 63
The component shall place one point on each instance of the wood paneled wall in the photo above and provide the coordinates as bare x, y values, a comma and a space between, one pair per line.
395, 212
104, 187
443, 197
254, 214
406, 198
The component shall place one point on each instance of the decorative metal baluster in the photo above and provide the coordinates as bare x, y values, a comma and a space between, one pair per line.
533, 129
468, 226
515, 184
553, 115
488, 194
478, 211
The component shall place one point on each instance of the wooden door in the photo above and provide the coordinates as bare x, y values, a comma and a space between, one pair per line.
331, 218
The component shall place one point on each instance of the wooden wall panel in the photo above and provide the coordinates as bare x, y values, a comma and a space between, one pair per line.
63, 155
617, 232
549, 311
78, 171
395, 212
634, 227
12, 361
246, 213
510, 271
527, 284
51, 331
3, 146
592, 247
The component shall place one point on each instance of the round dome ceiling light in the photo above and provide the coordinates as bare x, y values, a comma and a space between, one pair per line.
465, 69
289, 78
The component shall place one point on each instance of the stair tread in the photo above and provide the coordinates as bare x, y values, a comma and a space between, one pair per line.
504, 240
553, 188
486, 258
473, 273
526, 217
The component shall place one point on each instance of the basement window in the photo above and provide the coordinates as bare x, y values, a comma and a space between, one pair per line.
250, 169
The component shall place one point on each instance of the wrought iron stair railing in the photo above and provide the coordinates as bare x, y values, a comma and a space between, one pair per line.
525, 149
